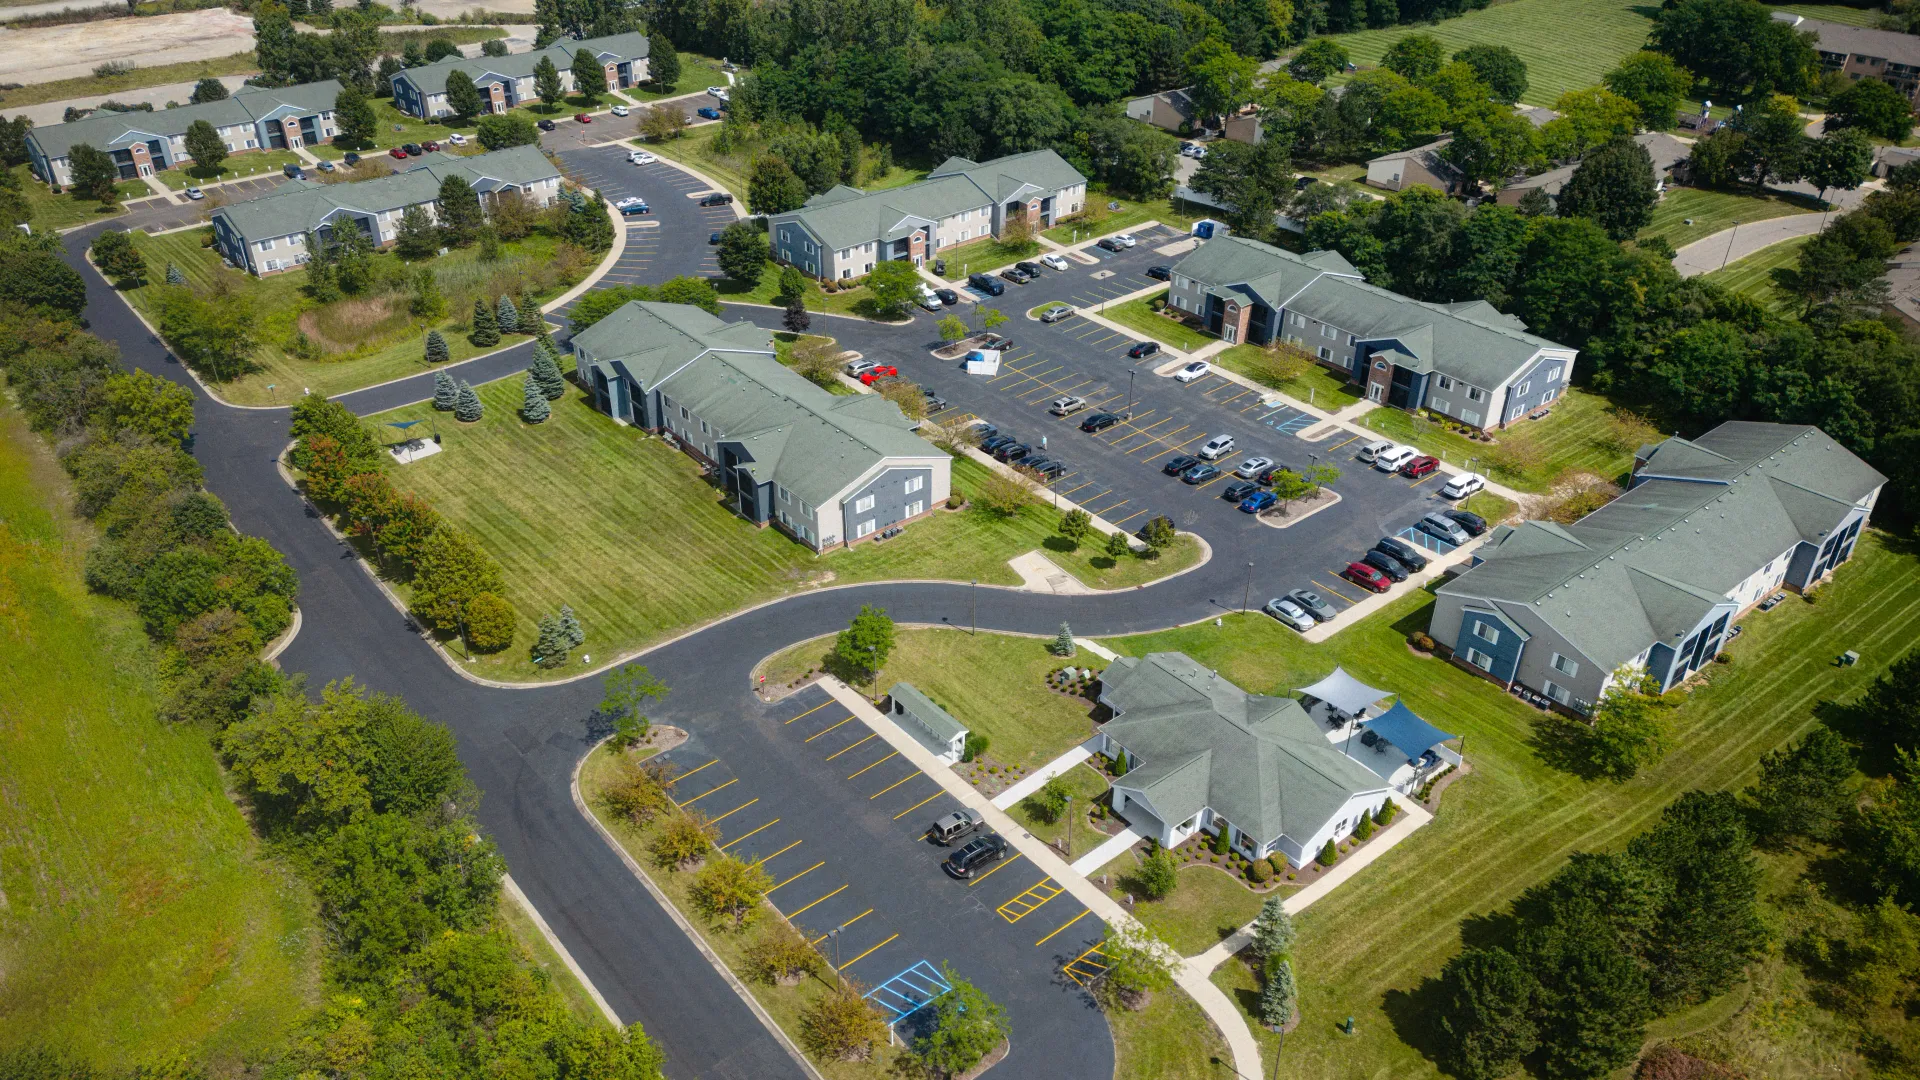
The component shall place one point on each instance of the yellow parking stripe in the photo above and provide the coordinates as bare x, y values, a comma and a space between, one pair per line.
1041, 894
1071, 490
693, 770
837, 753
879, 763
902, 780
1063, 926
817, 903
811, 711
737, 839
799, 875
1340, 444
735, 810
1015, 857
918, 805
763, 859
842, 926
864, 955
1335, 591
1128, 518
817, 734
706, 793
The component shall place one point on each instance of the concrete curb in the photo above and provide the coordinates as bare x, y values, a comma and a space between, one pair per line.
512, 889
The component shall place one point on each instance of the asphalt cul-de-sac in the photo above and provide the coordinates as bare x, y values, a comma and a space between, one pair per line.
671, 239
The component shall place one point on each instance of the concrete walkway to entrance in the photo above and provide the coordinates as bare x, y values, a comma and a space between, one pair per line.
1109, 851
1038, 778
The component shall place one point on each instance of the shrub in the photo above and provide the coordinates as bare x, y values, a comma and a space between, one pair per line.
1386, 813
1220, 843
1329, 854
490, 623
1364, 828
638, 792
1259, 872
841, 1026
1157, 875
781, 955
1050, 801
1421, 641
976, 745
727, 888
1279, 863
683, 838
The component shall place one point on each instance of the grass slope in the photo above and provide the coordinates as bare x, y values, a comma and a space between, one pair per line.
1136, 315
1567, 44
1713, 211
1514, 820
1316, 385
1573, 437
138, 918
1753, 275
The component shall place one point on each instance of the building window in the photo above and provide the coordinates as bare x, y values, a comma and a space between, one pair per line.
1549, 395
864, 528
703, 428
683, 412
1565, 666
1326, 353
1479, 659
1446, 382
1486, 632
915, 484
864, 504
1522, 388
1474, 393
1557, 692
915, 507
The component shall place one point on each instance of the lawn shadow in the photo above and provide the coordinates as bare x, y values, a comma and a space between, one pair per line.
1565, 745
1414, 1015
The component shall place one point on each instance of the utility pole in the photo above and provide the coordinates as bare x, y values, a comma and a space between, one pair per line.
1130, 374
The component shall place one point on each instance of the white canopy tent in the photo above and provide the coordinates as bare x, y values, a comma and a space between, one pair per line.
1345, 693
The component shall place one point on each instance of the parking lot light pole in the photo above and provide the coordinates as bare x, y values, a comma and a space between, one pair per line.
1069, 828
972, 628
1130, 374
835, 935
1247, 597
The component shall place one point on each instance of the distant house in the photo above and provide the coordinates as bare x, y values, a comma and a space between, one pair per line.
506, 82
142, 143
1204, 755
930, 725
824, 469
1698, 123
1861, 52
1169, 110
1537, 115
846, 232
1888, 158
1421, 165
1467, 361
1670, 157
267, 234
1653, 581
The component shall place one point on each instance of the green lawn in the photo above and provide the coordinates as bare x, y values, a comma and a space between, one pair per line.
1099, 221
988, 254
1317, 385
514, 486
1578, 435
696, 73
1087, 784
1712, 211
1845, 14
1208, 904
1170, 1039
838, 302
251, 163
1513, 821
1136, 315
694, 149
142, 921
783, 345
394, 129
1753, 275
394, 345
68, 208
1566, 44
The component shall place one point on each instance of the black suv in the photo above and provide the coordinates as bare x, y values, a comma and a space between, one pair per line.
1012, 452
1100, 421
1178, 464
1406, 554
995, 442
976, 856
1144, 349
986, 283
1386, 564
716, 198
1160, 273
1031, 269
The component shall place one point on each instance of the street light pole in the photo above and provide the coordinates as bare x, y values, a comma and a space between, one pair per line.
1731, 233
1130, 374
1069, 828
1247, 597
973, 629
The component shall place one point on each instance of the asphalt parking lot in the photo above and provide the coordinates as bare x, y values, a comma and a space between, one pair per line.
570, 134
671, 240
837, 819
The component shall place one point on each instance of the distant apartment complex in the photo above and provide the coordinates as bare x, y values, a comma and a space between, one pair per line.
1860, 52
506, 82
846, 232
268, 234
1467, 361
142, 143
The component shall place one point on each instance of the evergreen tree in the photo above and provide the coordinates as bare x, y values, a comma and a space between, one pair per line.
1803, 789
175, 276
1273, 931
466, 407
545, 371
508, 315
1708, 926
589, 77
1485, 1014
663, 62
462, 96
550, 648
1063, 641
485, 331
1277, 998
796, 319
529, 306
570, 626
437, 351
458, 210
445, 393
533, 404
1591, 1001
546, 82
206, 90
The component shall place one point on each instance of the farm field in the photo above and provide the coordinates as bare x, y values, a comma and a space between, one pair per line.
1753, 275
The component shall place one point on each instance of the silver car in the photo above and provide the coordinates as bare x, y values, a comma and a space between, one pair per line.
1313, 604
1055, 313
1253, 467
1290, 613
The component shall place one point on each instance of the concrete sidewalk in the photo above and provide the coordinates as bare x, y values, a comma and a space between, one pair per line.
1109, 851
1037, 779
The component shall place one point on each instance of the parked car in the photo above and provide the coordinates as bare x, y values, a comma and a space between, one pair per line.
1373, 450
936, 403
458, 139
1099, 421
857, 368
1031, 269
719, 93
1015, 275
1141, 532
1012, 452
1773, 601
985, 430
879, 371
1468, 520
1054, 261
1186, 149
546, 125
1289, 613
1178, 464
947, 296
1269, 477
1443, 527
716, 198
988, 284
1313, 604
713, 238
707, 112
994, 442
954, 826
1196, 370
1108, 243
1200, 473
1390, 459
995, 341
928, 302
976, 856
350, 160
618, 110
1420, 466
1251, 468
1463, 485
1199, 152
1215, 448
196, 194
1386, 564
1067, 406
412, 149
1258, 502
1160, 273
641, 157
325, 165
1126, 240
1302, 183
430, 146
632, 205
1404, 553
292, 171
1055, 313
1367, 577
1143, 349
1048, 470
1237, 491
582, 118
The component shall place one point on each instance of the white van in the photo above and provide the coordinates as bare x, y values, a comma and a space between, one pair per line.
1215, 448
1390, 459
1374, 449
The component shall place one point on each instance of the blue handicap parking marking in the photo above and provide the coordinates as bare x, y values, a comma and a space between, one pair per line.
1296, 422
908, 992
1422, 538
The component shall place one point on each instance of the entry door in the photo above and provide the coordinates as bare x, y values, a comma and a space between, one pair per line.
295, 143
1374, 391
146, 170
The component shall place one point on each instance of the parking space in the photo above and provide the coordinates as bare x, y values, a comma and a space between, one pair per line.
1113, 274
838, 820
671, 239
570, 134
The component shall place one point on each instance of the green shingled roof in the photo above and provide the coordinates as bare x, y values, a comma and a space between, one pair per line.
432, 78
303, 205
247, 105
842, 216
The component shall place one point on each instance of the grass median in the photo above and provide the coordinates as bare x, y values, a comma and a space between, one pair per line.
1584, 433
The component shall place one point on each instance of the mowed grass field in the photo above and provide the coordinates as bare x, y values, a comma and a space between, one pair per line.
582, 511
1713, 211
1566, 44
1574, 436
1513, 821
139, 920
1753, 275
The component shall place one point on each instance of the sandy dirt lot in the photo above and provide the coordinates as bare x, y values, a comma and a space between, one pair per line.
64, 52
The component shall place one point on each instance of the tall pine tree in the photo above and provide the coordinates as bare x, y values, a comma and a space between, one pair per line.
485, 331
533, 404
550, 648
529, 306
467, 408
446, 395
570, 626
546, 372
508, 315
437, 351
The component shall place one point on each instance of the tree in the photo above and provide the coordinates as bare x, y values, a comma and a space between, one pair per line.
458, 210
1158, 533
1590, 997
1499, 67
383, 76
498, 131
208, 89
485, 331
1279, 997
463, 97
416, 237
589, 77
1629, 730
1655, 84
1075, 525
205, 146
587, 224
546, 371
1872, 106
493, 47
863, 647
1063, 644
142, 402
1050, 802
441, 48
175, 275
1273, 931
1804, 790
663, 62
1318, 59
547, 82
951, 328
215, 338
1005, 494
966, 1026
1253, 180
467, 408
795, 319
893, 285
683, 837
662, 123
533, 404
1221, 80
1117, 545
1737, 46
570, 627
1839, 159
1157, 876
451, 571
743, 253
841, 1025
1613, 186
550, 647
1484, 1013
1588, 118
628, 689
438, 353
727, 888
1890, 710
1414, 57
1773, 144
113, 252
446, 394
773, 188
490, 623
699, 292
507, 315
1139, 964
354, 119
94, 173
1708, 926
1490, 143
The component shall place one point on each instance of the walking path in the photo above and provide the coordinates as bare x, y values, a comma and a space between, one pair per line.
1033, 781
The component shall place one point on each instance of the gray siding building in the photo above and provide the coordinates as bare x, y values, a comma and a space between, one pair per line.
141, 143
506, 82
825, 469
1466, 361
930, 725
1652, 582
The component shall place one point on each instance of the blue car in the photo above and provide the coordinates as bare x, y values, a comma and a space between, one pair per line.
709, 113
1258, 501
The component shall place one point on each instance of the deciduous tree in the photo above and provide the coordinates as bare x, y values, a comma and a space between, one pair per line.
1613, 186
463, 97
206, 147
729, 890
1655, 84
354, 119
966, 1026
1499, 67
864, 646
743, 253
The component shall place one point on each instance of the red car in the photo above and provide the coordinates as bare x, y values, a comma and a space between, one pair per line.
397, 152
1419, 467
1366, 577
583, 118
430, 146
874, 375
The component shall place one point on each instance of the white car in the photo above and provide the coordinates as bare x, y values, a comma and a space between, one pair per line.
719, 93
1290, 613
619, 110
1253, 467
641, 157
1215, 448
457, 139
1198, 151
1054, 261
196, 194
1390, 459
1126, 239
1196, 370
1463, 485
